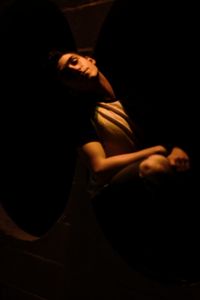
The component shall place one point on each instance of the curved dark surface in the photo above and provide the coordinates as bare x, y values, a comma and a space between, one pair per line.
38, 145
149, 53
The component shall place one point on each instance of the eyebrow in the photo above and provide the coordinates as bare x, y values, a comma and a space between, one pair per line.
68, 72
71, 57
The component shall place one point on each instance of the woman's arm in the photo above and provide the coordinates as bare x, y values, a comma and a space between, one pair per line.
95, 157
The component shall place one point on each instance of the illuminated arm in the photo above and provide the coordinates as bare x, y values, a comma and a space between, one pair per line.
95, 157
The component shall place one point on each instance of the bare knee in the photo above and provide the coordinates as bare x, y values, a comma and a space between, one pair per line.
153, 165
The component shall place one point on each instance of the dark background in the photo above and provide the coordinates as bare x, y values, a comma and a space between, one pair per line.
74, 260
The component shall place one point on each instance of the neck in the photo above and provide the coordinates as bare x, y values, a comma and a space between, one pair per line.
105, 88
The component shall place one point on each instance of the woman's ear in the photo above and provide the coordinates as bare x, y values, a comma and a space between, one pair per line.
92, 60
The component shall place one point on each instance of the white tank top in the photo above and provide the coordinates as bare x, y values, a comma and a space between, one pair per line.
115, 129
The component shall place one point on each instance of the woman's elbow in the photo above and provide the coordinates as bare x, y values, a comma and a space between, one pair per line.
98, 168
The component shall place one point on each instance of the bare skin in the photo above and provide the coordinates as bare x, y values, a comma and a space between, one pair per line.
155, 164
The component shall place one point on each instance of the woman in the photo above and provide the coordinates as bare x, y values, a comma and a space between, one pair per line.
137, 191
111, 143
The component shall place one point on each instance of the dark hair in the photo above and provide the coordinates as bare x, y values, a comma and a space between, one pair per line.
53, 58
50, 64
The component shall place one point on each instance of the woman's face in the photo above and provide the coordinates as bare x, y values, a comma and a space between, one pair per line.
77, 72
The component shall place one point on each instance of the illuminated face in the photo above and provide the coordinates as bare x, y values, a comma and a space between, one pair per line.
77, 71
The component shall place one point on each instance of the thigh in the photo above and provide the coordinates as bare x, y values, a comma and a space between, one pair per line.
127, 174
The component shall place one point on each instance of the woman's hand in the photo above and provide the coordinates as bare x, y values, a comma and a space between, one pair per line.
160, 150
179, 159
